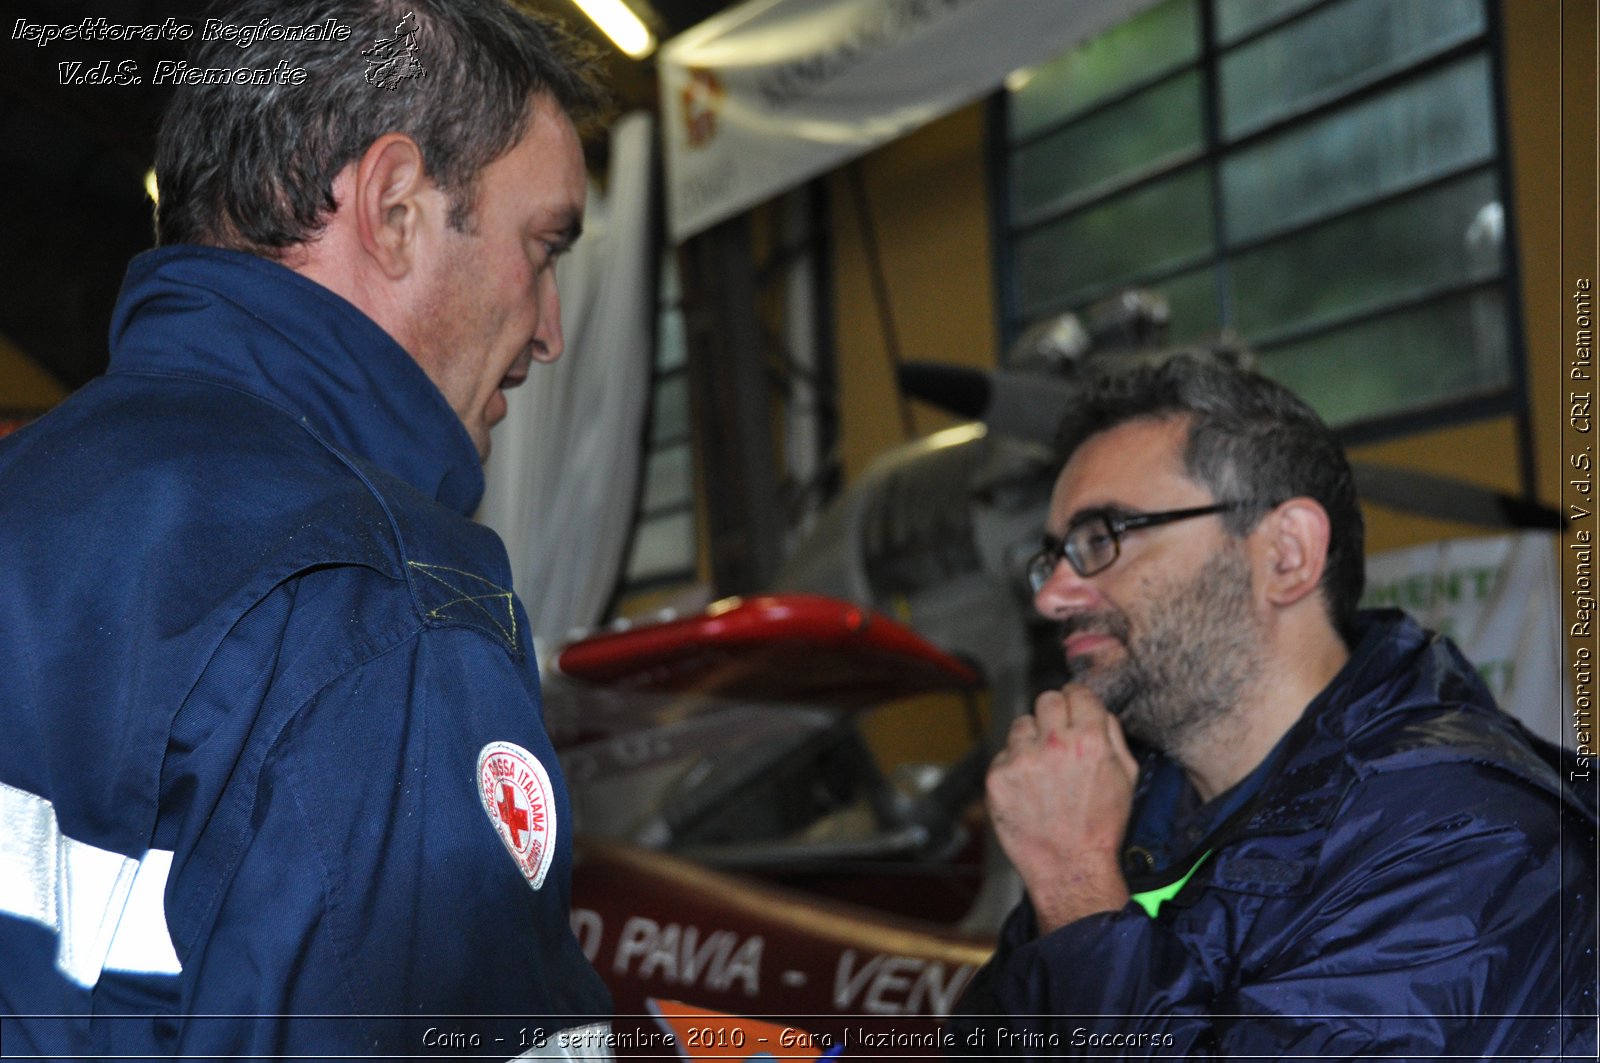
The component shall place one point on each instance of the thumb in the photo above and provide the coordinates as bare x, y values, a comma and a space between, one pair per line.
1119, 746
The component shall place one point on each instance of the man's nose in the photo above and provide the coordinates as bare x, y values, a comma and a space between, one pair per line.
1064, 593
550, 339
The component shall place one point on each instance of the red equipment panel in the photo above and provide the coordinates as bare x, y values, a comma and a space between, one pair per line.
779, 647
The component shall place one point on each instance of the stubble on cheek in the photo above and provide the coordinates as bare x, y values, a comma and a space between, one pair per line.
1187, 668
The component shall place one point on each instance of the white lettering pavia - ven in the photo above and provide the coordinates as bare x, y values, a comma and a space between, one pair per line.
897, 985
678, 955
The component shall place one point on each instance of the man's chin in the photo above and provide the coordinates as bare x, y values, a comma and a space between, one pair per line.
482, 441
482, 432
1094, 665
1111, 683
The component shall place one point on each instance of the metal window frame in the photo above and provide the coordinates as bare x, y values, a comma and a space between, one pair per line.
1006, 232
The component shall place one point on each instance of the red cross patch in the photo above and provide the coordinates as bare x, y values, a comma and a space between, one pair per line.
520, 801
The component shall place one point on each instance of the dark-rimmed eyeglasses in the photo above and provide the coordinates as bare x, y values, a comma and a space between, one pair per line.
1093, 542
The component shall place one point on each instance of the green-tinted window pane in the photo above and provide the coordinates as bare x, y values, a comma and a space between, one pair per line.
662, 546
1163, 38
1335, 50
669, 477
1192, 303
1447, 235
1450, 349
1162, 223
669, 409
672, 345
1425, 128
1154, 127
1235, 18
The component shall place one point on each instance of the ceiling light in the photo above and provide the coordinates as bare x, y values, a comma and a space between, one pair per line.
617, 21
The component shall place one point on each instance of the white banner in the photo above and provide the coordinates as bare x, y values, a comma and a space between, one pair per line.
771, 93
1496, 597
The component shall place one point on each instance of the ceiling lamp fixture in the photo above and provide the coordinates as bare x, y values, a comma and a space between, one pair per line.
617, 21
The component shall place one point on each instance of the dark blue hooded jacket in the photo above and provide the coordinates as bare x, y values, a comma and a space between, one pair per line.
273, 776
1409, 875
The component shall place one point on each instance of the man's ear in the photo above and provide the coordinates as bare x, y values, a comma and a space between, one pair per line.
388, 202
1294, 548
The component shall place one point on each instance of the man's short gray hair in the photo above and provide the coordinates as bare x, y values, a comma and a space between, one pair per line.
251, 166
1250, 439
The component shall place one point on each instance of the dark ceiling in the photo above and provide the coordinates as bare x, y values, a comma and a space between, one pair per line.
73, 159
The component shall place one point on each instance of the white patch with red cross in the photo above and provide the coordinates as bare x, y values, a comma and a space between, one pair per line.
521, 804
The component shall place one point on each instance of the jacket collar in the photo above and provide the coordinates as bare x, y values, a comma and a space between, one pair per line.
245, 322
1405, 697
1417, 700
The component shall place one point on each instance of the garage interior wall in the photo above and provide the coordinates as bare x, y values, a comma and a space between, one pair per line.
928, 202
25, 388
927, 199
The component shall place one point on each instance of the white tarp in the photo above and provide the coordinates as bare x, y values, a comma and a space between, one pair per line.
1498, 599
560, 482
771, 93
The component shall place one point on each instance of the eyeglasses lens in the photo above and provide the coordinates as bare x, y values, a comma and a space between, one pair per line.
1091, 546
1041, 567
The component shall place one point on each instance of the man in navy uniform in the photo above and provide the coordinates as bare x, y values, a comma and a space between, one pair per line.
274, 779
1333, 843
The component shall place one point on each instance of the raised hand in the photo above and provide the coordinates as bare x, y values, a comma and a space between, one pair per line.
1060, 793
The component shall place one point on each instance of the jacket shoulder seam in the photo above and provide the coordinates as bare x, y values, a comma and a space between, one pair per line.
474, 598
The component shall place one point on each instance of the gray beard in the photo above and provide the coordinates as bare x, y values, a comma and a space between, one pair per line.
1189, 668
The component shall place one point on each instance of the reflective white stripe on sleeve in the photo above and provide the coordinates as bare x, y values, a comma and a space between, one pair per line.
107, 909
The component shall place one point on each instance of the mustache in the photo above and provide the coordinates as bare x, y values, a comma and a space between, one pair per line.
1112, 624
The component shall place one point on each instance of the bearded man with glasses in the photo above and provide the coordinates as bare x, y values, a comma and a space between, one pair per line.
1258, 822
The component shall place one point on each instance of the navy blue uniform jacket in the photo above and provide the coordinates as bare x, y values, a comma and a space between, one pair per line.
1414, 879
256, 663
